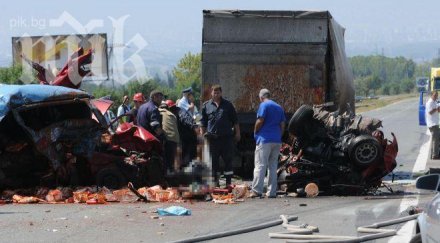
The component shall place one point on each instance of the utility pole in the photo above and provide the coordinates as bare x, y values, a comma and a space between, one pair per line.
111, 60
438, 56
111, 57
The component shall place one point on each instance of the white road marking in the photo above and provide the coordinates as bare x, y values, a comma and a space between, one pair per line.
422, 158
405, 233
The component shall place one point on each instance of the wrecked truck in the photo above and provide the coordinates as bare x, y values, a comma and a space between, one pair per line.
52, 136
298, 55
341, 153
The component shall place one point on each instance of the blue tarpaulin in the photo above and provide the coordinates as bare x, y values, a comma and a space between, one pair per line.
173, 211
17, 95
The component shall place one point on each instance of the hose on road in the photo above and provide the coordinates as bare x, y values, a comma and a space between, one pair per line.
375, 233
239, 231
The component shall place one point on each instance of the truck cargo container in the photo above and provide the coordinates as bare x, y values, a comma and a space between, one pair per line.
298, 55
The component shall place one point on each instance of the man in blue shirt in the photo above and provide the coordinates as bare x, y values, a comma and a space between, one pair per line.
268, 130
219, 124
149, 117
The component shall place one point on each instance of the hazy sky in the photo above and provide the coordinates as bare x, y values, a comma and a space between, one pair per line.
173, 27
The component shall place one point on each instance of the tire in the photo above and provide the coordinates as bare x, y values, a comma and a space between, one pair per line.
364, 150
111, 178
416, 239
300, 119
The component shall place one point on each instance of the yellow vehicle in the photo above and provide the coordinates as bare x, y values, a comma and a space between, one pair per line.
435, 79
434, 84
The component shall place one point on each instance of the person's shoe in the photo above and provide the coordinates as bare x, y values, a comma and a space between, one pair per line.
208, 197
271, 196
254, 195
435, 157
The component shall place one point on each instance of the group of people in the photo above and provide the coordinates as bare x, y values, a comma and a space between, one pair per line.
219, 124
175, 126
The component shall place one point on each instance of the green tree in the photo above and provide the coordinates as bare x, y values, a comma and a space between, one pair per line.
407, 85
11, 75
366, 84
395, 88
374, 82
361, 86
188, 73
386, 89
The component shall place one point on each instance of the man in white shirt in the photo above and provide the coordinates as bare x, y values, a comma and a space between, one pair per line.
185, 102
432, 121
123, 109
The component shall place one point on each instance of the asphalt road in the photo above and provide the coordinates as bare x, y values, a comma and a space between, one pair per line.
132, 222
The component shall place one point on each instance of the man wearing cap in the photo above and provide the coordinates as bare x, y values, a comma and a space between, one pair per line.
188, 130
268, 130
169, 126
149, 116
138, 100
219, 124
184, 102
123, 109
187, 102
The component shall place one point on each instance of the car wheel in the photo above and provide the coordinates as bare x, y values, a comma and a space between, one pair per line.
300, 119
111, 178
364, 150
416, 239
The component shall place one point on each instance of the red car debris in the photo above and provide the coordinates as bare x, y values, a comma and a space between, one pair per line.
52, 136
71, 75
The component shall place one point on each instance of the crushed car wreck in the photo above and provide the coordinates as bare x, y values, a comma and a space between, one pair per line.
52, 136
341, 153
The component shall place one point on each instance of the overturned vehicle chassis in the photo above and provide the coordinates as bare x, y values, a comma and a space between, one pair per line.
341, 153
52, 136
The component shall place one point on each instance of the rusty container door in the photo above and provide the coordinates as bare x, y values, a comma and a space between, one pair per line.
266, 49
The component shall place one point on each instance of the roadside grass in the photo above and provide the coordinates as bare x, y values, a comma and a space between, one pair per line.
371, 104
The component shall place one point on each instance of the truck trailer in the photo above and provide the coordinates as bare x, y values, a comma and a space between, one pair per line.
298, 55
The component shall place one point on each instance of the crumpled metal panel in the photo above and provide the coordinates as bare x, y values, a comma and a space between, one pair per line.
78, 137
135, 138
17, 95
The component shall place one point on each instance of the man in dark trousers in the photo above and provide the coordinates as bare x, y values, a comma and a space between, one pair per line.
188, 131
149, 117
220, 125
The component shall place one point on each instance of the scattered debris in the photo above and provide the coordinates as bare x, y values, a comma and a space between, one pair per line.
414, 210
25, 200
54, 196
125, 195
240, 191
173, 211
311, 190
223, 199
